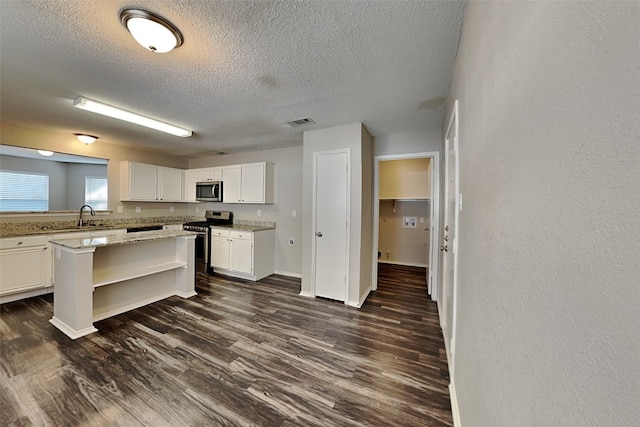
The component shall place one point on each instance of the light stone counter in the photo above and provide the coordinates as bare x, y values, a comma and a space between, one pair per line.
244, 227
120, 239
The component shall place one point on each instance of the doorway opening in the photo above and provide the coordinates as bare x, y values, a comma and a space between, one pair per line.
407, 214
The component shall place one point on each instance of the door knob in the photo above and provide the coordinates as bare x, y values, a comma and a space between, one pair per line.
444, 248
319, 234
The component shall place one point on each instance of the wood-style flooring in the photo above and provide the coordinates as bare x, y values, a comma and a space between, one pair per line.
238, 354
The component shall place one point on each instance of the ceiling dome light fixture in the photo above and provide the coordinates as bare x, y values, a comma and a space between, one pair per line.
86, 139
45, 153
152, 31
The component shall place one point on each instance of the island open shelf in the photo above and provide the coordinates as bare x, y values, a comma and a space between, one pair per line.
99, 278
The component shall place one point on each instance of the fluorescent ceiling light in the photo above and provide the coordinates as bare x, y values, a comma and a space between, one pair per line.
117, 113
45, 153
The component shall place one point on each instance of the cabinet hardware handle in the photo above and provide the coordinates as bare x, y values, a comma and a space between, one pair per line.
19, 243
319, 234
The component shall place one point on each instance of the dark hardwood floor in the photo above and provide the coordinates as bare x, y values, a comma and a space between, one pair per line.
238, 354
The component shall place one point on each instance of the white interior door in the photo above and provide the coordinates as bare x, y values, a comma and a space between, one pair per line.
449, 242
331, 209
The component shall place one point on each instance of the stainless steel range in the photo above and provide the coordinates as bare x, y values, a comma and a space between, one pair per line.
203, 250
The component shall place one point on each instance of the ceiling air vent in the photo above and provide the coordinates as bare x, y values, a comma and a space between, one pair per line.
300, 122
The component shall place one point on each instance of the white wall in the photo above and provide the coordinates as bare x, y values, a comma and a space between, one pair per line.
288, 177
407, 142
549, 273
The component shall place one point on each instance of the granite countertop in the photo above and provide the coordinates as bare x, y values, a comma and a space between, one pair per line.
120, 239
33, 230
245, 227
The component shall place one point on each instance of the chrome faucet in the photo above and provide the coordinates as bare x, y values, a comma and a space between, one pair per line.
81, 222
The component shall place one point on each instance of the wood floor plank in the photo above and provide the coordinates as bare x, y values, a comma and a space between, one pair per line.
239, 353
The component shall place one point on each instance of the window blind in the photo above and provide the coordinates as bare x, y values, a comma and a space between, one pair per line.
23, 192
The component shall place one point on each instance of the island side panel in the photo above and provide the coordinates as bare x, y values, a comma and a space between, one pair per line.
73, 291
185, 276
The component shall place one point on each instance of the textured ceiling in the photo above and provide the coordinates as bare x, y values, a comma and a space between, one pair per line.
246, 68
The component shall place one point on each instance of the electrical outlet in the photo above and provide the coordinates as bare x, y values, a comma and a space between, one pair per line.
138, 209
294, 213
171, 209
120, 209
259, 212
197, 209
291, 241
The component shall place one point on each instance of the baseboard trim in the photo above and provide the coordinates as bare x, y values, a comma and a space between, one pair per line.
288, 274
306, 294
455, 411
408, 264
362, 300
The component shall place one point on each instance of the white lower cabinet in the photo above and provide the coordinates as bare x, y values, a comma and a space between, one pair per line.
244, 254
220, 248
26, 263
241, 252
25, 267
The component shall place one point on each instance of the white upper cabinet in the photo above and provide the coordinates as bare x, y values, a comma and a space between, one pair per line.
190, 179
209, 174
170, 184
232, 184
144, 182
248, 183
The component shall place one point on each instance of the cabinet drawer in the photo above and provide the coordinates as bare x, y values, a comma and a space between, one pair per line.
23, 242
241, 235
219, 233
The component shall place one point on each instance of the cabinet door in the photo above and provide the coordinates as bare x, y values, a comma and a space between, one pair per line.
143, 182
220, 252
242, 256
253, 183
204, 174
170, 184
190, 179
215, 174
210, 174
232, 185
23, 269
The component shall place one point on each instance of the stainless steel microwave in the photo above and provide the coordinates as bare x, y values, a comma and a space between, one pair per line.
209, 191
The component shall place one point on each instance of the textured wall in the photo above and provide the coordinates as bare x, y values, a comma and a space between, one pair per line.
549, 277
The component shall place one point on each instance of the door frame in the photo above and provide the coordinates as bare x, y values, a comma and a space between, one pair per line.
434, 238
316, 154
453, 127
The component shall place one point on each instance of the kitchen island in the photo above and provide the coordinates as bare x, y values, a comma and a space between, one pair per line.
96, 278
